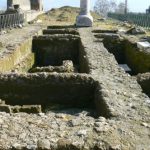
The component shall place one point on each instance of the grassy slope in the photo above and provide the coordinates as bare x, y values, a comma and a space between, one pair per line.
62, 16
67, 16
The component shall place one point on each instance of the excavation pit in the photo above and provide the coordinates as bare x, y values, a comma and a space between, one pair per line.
56, 76
45, 89
132, 59
144, 81
53, 50
50, 51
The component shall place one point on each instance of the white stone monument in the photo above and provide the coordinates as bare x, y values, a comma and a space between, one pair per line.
84, 19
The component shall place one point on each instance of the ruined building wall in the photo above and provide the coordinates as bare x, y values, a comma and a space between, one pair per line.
26, 4
37, 5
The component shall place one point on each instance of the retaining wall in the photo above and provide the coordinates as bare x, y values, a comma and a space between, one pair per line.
9, 61
144, 81
46, 88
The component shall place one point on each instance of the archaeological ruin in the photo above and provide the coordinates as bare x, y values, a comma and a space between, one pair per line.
30, 8
75, 86
26, 5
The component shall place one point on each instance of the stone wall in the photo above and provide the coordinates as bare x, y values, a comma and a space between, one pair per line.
60, 31
25, 64
138, 59
144, 81
44, 88
16, 53
9, 61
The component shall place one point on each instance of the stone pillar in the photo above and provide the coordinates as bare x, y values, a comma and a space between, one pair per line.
84, 19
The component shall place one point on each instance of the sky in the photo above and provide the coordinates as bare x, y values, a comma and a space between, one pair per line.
134, 5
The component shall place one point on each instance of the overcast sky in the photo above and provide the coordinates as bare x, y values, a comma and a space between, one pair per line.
134, 5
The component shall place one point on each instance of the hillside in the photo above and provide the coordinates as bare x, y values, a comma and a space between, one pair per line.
65, 15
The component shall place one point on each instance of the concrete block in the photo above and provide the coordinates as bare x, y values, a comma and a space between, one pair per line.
84, 21
143, 45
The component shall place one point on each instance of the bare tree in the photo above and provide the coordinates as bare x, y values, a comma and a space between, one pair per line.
104, 6
121, 8
113, 6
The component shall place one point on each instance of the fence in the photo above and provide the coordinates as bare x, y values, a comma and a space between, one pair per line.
138, 19
11, 20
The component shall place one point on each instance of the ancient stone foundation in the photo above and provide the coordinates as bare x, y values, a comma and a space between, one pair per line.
59, 57
57, 62
49, 81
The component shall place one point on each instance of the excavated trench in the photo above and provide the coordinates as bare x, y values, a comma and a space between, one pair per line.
53, 75
134, 61
60, 72
126, 52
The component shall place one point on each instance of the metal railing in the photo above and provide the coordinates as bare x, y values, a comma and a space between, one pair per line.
11, 20
137, 19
